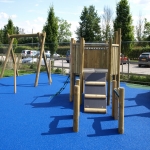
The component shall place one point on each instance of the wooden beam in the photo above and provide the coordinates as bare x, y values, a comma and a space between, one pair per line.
25, 35
7, 55
39, 63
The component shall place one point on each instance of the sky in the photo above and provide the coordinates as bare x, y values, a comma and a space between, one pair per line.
31, 15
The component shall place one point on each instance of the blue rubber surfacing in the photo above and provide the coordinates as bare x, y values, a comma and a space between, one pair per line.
34, 118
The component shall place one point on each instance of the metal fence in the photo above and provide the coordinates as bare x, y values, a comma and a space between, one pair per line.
58, 65
128, 70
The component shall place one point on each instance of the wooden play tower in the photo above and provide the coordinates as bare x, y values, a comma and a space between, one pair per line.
87, 58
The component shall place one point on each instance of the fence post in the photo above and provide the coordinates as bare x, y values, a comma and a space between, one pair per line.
128, 68
121, 111
122, 66
76, 109
62, 67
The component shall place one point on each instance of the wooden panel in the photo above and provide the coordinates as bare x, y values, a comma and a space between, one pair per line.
96, 57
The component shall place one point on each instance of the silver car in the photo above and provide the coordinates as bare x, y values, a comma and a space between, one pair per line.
31, 53
24, 53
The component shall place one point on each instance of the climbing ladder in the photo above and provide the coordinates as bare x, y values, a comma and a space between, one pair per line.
95, 90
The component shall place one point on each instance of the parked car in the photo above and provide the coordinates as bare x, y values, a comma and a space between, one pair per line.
55, 55
31, 53
24, 53
48, 54
29, 60
68, 56
123, 59
144, 58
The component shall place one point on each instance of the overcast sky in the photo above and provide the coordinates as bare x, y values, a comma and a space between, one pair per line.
32, 14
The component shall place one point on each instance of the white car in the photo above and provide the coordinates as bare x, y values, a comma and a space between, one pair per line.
47, 54
29, 60
24, 53
55, 55
32, 53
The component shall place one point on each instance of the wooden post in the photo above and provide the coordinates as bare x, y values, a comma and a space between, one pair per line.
116, 42
50, 79
71, 70
76, 109
119, 51
18, 61
14, 75
109, 71
116, 107
121, 111
113, 97
41, 54
82, 42
45, 59
116, 37
7, 55
13, 59
78, 83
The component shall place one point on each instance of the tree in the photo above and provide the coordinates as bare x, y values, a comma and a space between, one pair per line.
139, 28
64, 32
51, 29
146, 32
89, 27
8, 29
106, 23
1, 36
124, 20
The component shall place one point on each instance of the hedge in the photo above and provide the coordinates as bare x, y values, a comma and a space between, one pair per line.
135, 52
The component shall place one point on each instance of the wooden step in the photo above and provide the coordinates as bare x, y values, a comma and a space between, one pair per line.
95, 110
94, 83
94, 96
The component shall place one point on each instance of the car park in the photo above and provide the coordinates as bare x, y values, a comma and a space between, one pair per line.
68, 56
144, 58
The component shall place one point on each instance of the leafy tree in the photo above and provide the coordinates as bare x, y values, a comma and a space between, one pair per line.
8, 29
27, 40
64, 32
106, 23
89, 27
124, 20
51, 29
1, 36
146, 32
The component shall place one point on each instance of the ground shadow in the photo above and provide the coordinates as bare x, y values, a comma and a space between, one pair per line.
142, 99
98, 129
61, 100
53, 129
